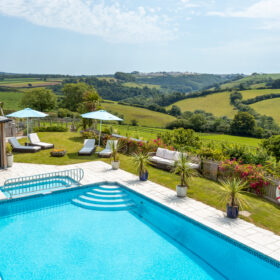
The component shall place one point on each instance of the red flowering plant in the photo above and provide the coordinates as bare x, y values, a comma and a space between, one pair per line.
253, 174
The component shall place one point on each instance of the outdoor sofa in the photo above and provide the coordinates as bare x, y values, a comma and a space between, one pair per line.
88, 148
35, 141
17, 147
165, 159
107, 152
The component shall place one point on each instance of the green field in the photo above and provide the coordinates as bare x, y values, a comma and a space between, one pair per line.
253, 142
131, 84
143, 116
247, 94
218, 104
269, 107
255, 78
11, 99
26, 84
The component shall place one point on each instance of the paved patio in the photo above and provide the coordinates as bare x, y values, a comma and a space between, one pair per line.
260, 239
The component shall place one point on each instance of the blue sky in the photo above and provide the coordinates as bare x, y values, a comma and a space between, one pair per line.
104, 36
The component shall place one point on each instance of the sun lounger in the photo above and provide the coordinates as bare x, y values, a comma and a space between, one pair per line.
35, 141
88, 148
22, 149
108, 150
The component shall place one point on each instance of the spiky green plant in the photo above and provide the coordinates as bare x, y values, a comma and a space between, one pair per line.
140, 160
115, 148
233, 190
183, 168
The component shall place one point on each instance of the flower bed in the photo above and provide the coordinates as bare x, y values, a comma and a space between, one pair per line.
58, 153
253, 174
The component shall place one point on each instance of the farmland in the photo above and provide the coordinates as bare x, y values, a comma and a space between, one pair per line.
247, 94
11, 99
268, 107
218, 104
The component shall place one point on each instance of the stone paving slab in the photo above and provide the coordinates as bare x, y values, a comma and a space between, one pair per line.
255, 237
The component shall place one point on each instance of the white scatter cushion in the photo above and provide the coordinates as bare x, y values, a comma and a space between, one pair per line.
169, 155
160, 152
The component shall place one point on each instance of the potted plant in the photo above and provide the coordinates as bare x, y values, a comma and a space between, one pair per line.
183, 168
140, 161
115, 147
233, 190
10, 156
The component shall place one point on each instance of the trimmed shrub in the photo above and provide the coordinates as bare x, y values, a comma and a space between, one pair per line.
50, 129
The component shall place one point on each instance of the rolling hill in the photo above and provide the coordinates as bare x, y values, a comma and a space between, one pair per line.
218, 104
143, 116
268, 107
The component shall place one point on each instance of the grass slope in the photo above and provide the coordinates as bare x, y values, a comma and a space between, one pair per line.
139, 85
268, 107
263, 213
218, 104
255, 79
143, 116
253, 142
247, 94
11, 99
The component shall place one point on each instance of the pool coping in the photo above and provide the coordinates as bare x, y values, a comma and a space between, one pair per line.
207, 216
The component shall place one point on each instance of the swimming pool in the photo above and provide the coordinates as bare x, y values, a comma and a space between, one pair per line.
49, 237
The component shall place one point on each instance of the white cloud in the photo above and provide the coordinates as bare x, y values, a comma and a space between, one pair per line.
110, 22
266, 10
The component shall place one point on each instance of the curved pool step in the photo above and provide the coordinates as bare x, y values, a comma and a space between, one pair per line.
104, 198
107, 196
97, 200
101, 207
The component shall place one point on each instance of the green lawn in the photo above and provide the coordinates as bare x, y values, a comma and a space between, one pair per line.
218, 104
11, 99
263, 213
145, 117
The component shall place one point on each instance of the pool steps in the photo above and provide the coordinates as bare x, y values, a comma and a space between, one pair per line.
104, 198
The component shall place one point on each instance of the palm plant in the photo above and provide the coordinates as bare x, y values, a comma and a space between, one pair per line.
183, 168
233, 190
140, 160
115, 147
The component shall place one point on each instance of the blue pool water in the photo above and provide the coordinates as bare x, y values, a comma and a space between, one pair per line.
47, 237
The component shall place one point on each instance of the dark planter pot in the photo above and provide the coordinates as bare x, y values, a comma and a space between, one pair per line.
232, 211
144, 176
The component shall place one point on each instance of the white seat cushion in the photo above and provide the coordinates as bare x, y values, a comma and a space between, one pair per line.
160, 160
194, 165
177, 156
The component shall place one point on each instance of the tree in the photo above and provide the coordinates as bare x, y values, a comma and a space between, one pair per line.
39, 99
73, 95
243, 124
272, 146
91, 100
175, 111
276, 84
198, 122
